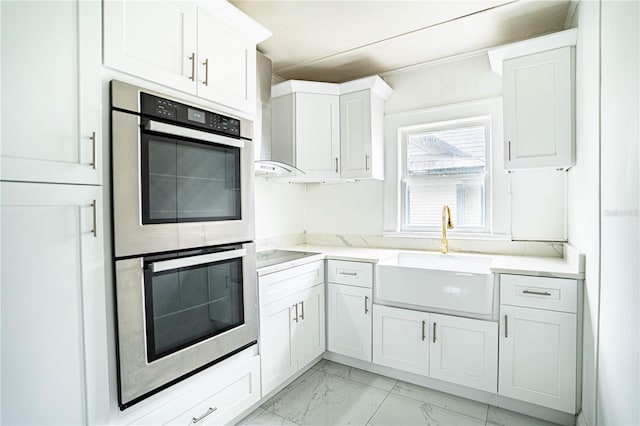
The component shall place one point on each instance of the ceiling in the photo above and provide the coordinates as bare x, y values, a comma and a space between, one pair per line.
337, 41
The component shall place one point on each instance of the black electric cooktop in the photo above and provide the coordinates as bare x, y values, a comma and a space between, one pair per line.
273, 257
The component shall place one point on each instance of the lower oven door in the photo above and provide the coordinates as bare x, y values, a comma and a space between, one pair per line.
181, 312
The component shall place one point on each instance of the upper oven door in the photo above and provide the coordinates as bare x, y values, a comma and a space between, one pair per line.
175, 187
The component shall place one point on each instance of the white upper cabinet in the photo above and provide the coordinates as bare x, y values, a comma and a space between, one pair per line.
202, 48
330, 131
362, 130
539, 112
51, 92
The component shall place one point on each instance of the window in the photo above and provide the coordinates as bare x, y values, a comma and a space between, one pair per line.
446, 163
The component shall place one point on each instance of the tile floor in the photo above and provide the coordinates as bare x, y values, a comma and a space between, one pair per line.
334, 394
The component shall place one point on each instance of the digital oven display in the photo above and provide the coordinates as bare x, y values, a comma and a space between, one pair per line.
196, 115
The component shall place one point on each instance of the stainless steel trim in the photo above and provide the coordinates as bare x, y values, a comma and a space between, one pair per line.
539, 293
302, 310
192, 58
209, 411
94, 231
295, 317
206, 72
366, 305
434, 332
423, 332
505, 327
171, 129
166, 265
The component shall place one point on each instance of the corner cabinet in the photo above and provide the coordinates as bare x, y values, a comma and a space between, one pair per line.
539, 110
292, 322
539, 347
330, 131
51, 92
205, 49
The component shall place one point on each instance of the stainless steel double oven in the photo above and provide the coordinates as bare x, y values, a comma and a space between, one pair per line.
183, 226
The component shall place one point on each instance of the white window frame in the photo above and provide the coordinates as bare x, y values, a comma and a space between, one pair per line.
405, 132
498, 225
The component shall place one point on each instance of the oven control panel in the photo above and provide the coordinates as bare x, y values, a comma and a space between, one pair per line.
185, 114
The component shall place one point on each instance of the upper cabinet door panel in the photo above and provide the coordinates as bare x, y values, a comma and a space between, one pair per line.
355, 134
226, 64
155, 40
538, 110
51, 121
318, 134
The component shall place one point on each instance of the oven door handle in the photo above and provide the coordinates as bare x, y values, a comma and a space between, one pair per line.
170, 129
183, 262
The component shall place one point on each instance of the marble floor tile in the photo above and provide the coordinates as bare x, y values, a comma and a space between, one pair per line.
356, 375
454, 403
400, 411
325, 399
261, 417
502, 417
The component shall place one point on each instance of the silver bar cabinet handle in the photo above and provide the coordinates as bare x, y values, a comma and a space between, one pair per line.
366, 305
423, 332
505, 327
295, 317
434, 332
539, 293
336, 164
94, 231
350, 274
366, 162
206, 72
509, 150
95, 150
302, 310
192, 58
209, 411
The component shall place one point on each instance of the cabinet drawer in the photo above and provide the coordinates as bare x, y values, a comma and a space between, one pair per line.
358, 274
555, 294
281, 284
224, 395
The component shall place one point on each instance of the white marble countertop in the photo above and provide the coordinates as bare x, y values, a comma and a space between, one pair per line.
569, 266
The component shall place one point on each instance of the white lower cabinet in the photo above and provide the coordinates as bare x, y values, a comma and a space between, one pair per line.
350, 320
453, 349
53, 315
217, 398
464, 351
401, 339
538, 357
292, 328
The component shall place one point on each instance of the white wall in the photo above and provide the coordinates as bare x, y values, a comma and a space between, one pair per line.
279, 211
584, 198
618, 388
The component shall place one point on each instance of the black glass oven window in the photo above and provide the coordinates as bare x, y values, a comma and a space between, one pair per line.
185, 181
187, 305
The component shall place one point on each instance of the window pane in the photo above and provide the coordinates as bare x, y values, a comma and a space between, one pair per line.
465, 198
459, 150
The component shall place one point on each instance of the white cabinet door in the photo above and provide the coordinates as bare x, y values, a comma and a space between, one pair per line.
154, 40
51, 91
464, 351
350, 321
279, 356
538, 357
53, 305
361, 135
317, 135
226, 64
401, 339
311, 325
538, 93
